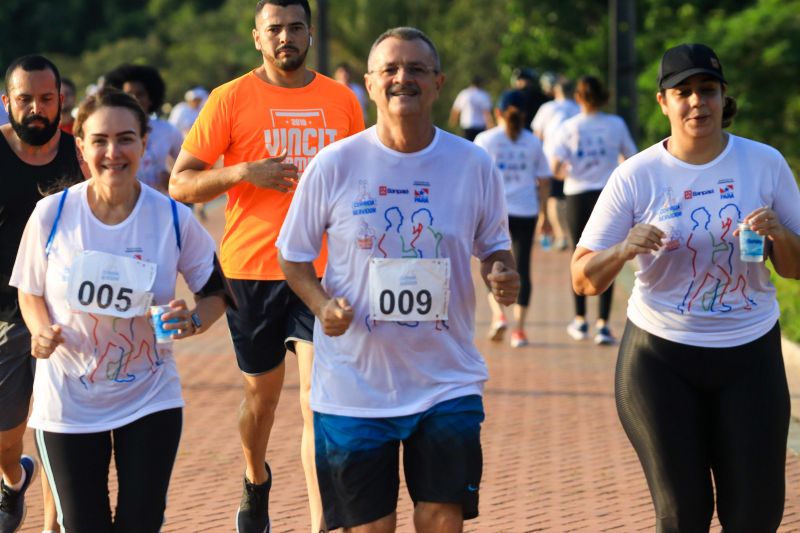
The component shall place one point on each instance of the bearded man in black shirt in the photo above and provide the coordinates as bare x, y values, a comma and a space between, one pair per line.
36, 158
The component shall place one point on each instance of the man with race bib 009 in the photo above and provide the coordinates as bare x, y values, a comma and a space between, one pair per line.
404, 206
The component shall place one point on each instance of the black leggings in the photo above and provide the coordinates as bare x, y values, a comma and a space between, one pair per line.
522, 230
693, 412
77, 467
579, 209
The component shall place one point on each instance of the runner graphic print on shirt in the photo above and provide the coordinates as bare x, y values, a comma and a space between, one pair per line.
126, 352
407, 229
718, 286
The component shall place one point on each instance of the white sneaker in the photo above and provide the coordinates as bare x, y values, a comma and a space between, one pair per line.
497, 330
604, 336
578, 330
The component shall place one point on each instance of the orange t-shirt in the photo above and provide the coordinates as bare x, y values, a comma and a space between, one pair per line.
248, 119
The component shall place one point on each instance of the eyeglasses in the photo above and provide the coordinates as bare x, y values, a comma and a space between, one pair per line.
415, 70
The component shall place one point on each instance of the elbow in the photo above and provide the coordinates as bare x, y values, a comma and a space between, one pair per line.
177, 190
581, 282
582, 287
788, 273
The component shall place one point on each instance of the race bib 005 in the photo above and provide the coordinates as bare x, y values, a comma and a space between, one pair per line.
409, 290
109, 284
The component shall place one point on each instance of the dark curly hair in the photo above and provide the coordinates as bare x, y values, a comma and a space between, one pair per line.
148, 76
110, 97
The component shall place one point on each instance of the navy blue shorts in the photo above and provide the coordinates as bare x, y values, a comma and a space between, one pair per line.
358, 461
269, 319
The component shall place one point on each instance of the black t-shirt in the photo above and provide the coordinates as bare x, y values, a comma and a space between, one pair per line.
533, 101
22, 186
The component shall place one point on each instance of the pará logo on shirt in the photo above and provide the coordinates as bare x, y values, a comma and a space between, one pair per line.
725, 188
726, 192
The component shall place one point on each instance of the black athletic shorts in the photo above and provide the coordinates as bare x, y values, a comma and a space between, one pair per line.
557, 189
270, 318
16, 374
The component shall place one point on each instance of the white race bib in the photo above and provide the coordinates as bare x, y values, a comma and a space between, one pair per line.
409, 290
108, 284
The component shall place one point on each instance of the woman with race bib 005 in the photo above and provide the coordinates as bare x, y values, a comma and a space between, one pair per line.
92, 260
700, 382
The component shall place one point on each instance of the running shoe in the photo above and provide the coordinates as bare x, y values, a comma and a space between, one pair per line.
518, 339
604, 336
253, 513
578, 330
12, 502
498, 329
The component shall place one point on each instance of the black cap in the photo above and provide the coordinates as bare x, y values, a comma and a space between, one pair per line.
511, 98
524, 73
687, 60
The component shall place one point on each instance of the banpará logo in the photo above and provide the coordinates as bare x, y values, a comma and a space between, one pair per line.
383, 190
688, 194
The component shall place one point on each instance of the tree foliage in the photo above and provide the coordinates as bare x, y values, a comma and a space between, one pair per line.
207, 42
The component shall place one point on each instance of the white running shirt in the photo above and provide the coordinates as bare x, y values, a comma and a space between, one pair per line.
109, 371
472, 103
522, 163
591, 145
549, 118
695, 290
163, 142
445, 201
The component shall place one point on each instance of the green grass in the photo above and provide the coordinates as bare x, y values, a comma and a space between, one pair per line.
789, 302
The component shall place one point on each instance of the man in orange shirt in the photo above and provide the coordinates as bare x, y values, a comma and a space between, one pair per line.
267, 125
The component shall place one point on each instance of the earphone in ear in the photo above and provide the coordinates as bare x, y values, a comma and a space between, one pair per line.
310, 40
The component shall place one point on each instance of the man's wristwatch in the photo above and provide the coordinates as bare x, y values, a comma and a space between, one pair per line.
195, 318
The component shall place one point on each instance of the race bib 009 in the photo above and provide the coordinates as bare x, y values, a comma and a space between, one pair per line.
109, 284
409, 290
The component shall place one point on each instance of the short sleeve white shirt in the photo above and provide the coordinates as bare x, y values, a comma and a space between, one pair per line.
445, 201
696, 290
472, 103
109, 371
183, 116
591, 145
522, 163
566, 108
163, 141
563, 110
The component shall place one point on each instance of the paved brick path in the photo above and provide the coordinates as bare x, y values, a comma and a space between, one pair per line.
556, 458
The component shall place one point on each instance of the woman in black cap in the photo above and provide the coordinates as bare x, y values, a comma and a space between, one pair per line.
700, 387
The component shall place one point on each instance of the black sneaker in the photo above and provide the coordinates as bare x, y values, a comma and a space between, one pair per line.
12, 503
253, 513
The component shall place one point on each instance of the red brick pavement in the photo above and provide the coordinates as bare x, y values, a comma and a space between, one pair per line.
555, 456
